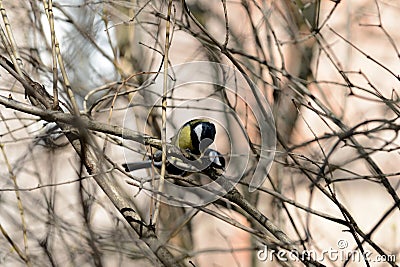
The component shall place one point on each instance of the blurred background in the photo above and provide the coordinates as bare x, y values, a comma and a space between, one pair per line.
328, 73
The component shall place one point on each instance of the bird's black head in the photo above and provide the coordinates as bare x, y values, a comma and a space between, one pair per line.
202, 134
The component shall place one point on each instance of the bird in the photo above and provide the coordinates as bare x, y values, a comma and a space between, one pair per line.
211, 162
194, 137
188, 153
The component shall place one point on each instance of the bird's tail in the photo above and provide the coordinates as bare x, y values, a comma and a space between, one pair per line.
132, 166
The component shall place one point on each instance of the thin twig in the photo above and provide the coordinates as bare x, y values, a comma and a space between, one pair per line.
164, 114
20, 206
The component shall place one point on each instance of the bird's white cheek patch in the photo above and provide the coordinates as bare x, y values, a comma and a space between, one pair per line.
198, 130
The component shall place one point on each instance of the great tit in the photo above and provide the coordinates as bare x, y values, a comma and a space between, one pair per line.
195, 136
211, 162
